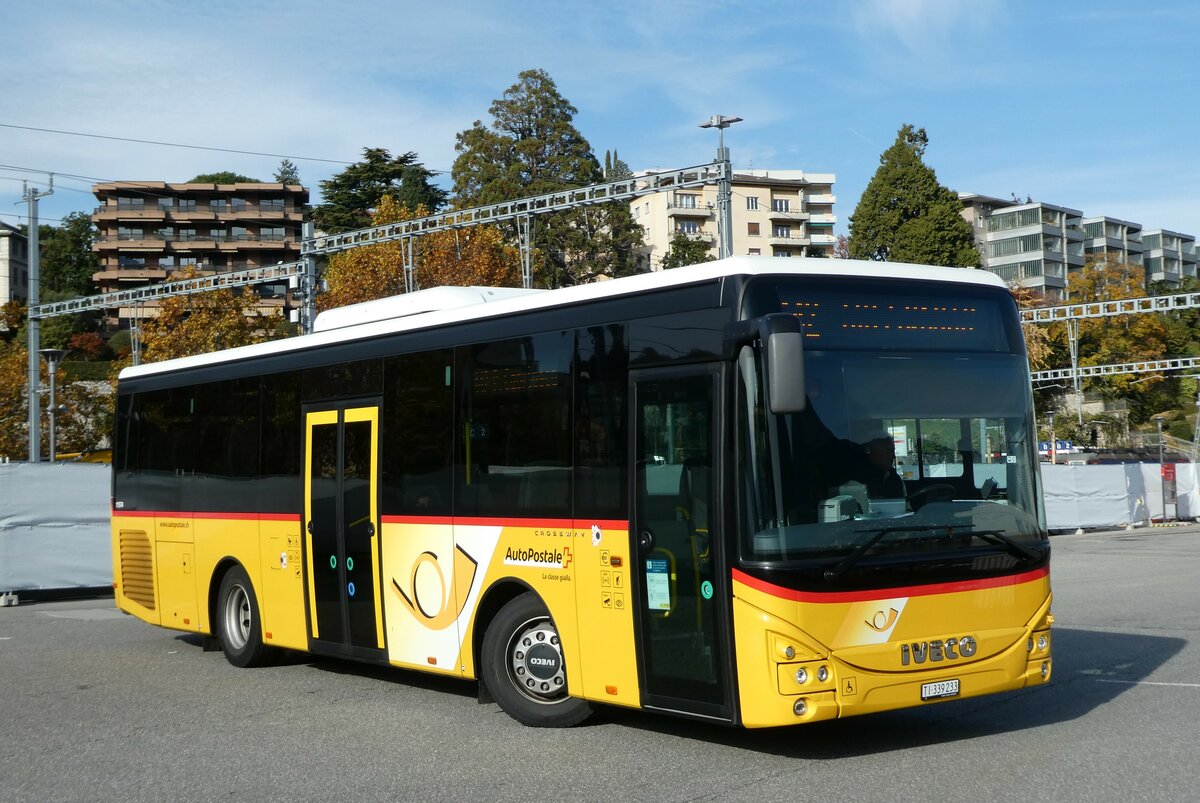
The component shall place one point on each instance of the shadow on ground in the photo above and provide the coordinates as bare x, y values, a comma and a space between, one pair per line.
1083, 661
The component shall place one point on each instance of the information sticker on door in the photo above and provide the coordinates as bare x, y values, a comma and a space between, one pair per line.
658, 584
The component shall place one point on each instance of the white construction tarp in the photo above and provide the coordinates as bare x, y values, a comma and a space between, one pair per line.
54, 526
1111, 496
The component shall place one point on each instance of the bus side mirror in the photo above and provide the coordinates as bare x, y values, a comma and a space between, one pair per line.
784, 344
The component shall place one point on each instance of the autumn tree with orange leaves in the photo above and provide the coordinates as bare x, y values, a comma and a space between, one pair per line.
471, 256
199, 323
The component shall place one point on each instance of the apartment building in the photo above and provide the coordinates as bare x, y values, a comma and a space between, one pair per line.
1032, 244
1168, 256
1111, 237
782, 213
148, 230
14, 264
1039, 245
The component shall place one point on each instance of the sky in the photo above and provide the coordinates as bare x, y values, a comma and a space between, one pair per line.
1085, 105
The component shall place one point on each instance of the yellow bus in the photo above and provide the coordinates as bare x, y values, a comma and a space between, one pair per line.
752, 492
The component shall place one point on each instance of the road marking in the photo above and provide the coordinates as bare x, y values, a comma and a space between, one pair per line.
1147, 683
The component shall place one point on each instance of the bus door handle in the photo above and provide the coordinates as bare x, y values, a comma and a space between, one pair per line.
645, 542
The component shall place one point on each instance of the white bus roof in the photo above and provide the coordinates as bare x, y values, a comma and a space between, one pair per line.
447, 305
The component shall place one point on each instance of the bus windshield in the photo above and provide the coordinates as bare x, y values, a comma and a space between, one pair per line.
919, 435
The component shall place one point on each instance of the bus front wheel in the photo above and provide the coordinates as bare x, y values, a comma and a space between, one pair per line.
237, 620
524, 669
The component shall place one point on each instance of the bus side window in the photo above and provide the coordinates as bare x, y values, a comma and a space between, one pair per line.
601, 422
515, 428
418, 433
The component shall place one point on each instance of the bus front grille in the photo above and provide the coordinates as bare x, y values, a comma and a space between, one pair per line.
137, 568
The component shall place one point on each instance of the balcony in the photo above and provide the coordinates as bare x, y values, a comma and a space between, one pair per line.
790, 214
821, 198
690, 210
111, 276
822, 220
113, 213
794, 241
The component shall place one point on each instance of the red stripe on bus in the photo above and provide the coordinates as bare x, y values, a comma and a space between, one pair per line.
469, 521
464, 521
176, 514
888, 593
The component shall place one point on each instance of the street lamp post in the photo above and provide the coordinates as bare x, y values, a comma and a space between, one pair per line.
53, 357
725, 185
1053, 442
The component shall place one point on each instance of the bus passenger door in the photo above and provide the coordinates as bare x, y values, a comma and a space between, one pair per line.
341, 523
683, 625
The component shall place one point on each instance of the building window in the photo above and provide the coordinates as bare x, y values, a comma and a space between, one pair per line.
781, 205
270, 205
752, 202
781, 230
131, 203
685, 201
688, 227
238, 204
166, 262
186, 205
187, 262
238, 233
782, 252
166, 203
185, 235
218, 205
128, 233
274, 233
131, 262
219, 234
754, 252
752, 229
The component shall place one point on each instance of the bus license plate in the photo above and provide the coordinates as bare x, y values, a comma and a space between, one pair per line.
936, 691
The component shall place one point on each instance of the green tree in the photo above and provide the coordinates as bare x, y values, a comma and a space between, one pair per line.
905, 215
351, 196
287, 173
684, 250
531, 147
67, 259
224, 177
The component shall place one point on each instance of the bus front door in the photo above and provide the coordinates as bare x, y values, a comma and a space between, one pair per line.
341, 523
682, 621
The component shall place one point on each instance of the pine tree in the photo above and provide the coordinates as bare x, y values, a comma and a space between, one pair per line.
532, 147
905, 215
287, 173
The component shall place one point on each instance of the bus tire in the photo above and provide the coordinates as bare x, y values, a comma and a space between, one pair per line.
524, 669
237, 621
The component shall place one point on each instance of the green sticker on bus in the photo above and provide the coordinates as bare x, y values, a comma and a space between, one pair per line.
706, 589
333, 561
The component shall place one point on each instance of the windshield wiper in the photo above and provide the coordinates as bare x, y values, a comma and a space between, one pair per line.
836, 571
998, 537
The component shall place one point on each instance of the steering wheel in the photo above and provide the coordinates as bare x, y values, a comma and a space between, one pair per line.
938, 492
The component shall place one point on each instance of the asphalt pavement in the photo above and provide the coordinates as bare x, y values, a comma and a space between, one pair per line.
97, 706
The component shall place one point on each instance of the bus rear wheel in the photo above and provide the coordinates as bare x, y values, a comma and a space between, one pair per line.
524, 669
237, 621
